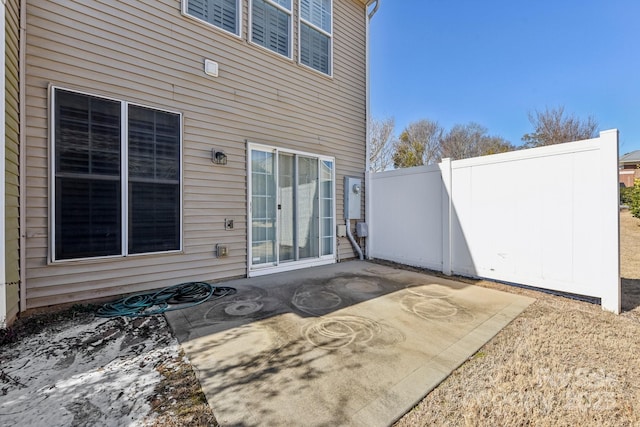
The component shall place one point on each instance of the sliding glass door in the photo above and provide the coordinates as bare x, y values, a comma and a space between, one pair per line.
292, 208
263, 206
287, 205
308, 243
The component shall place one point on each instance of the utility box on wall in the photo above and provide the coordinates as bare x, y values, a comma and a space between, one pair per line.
362, 230
352, 197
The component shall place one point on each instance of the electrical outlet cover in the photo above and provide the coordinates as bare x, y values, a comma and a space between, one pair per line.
222, 251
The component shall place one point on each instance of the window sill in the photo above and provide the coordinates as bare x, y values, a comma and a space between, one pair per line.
111, 258
318, 72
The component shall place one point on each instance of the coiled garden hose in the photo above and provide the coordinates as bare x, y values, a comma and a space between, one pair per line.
171, 298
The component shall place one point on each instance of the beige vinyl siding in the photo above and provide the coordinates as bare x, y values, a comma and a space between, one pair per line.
12, 144
147, 52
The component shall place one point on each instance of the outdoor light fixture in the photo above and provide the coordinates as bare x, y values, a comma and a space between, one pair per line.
218, 157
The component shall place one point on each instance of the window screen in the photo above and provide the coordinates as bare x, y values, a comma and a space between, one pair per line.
221, 13
314, 49
88, 214
270, 27
315, 34
87, 176
317, 13
154, 180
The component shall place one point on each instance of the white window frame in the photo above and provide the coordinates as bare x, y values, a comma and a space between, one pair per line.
186, 14
124, 179
301, 22
289, 55
276, 267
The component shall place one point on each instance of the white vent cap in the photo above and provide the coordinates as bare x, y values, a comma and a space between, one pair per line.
211, 68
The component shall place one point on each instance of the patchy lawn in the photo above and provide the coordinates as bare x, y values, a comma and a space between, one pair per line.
561, 362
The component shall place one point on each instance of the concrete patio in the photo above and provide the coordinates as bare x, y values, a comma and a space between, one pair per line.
354, 343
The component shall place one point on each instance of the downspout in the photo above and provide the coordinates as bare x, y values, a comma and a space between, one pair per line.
375, 8
22, 156
355, 245
367, 178
347, 222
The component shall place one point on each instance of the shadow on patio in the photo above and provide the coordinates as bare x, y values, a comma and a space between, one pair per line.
354, 343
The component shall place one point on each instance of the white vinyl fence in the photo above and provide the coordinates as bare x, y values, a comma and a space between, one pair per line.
545, 217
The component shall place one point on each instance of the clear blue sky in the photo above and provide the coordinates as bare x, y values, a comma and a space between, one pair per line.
493, 61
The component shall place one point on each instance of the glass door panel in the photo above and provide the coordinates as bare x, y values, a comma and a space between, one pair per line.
326, 207
307, 208
263, 208
286, 211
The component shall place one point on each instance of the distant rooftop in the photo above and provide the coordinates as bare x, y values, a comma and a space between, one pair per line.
632, 157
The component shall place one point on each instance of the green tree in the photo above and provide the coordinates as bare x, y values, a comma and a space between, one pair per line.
633, 196
553, 126
418, 144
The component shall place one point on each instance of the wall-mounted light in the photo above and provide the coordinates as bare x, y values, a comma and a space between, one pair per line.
218, 157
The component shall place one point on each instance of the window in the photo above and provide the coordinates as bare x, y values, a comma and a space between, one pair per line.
271, 25
101, 172
223, 14
316, 34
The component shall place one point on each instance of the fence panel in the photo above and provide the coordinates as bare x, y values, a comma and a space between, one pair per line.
545, 217
407, 215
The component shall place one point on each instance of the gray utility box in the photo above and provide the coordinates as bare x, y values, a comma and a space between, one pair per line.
352, 197
362, 230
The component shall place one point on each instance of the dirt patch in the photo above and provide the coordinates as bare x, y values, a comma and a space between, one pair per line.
178, 399
70, 368
562, 362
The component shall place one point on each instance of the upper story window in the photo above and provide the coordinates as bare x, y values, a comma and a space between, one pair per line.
223, 14
271, 25
116, 177
316, 34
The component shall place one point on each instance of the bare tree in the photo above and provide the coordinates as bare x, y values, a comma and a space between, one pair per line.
496, 145
380, 143
552, 126
463, 141
471, 140
419, 144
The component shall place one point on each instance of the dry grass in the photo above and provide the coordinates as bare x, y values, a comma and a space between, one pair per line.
562, 362
629, 245
179, 399
630, 261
